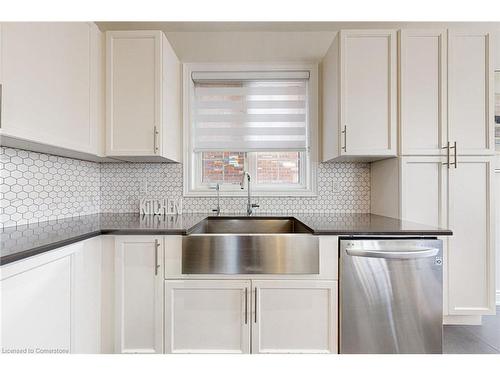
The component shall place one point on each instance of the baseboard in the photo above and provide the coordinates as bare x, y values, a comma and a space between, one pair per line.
471, 320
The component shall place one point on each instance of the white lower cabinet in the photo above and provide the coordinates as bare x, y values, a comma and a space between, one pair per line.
294, 316
138, 294
471, 249
87, 302
276, 316
36, 301
207, 316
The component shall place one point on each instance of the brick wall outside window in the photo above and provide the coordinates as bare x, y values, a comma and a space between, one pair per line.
272, 167
222, 167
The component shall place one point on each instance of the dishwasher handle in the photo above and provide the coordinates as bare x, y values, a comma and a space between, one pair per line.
406, 254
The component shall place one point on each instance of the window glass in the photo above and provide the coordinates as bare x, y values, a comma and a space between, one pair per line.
278, 167
222, 167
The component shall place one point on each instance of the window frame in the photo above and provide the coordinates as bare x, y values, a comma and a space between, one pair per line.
192, 166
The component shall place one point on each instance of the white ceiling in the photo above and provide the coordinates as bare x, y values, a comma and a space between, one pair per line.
262, 41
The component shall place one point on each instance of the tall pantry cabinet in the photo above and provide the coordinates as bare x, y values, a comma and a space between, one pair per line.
445, 173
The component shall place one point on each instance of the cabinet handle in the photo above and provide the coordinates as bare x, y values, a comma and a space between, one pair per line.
345, 138
246, 305
447, 147
255, 320
455, 155
155, 143
157, 245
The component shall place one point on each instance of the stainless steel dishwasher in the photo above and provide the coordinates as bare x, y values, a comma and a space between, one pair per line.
391, 295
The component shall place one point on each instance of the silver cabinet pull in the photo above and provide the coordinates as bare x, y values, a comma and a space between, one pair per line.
155, 143
157, 245
447, 147
246, 305
255, 320
345, 138
455, 154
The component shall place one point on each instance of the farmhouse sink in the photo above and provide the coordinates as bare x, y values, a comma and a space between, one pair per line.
249, 225
250, 245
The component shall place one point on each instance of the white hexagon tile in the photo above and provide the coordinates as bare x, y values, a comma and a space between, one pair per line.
120, 190
38, 187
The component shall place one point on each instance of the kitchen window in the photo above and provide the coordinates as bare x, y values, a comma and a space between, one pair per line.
255, 120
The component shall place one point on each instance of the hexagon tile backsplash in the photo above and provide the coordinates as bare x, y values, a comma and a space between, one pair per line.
38, 187
120, 184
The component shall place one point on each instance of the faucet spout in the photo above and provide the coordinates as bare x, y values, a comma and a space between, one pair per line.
250, 205
217, 210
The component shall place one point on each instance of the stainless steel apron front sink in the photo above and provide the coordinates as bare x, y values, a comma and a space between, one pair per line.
231, 246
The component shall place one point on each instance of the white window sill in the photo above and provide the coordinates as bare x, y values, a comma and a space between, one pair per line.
254, 193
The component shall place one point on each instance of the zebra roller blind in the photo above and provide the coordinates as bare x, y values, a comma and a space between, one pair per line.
250, 111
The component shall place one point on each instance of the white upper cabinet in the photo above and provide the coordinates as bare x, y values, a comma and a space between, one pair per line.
422, 80
142, 97
360, 96
470, 92
51, 76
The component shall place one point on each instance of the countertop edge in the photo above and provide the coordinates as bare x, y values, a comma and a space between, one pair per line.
123, 232
47, 247
435, 233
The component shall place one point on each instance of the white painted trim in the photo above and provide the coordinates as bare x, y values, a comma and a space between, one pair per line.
313, 116
498, 297
473, 320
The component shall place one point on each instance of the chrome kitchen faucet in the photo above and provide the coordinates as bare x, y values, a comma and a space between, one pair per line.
250, 205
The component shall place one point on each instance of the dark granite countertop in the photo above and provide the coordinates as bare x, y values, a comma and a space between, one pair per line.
20, 242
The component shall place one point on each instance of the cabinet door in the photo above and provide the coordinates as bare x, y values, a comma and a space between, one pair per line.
139, 291
424, 189
207, 316
423, 127
47, 80
87, 301
294, 316
470, 92
134, 77
471, 260
36, 300
368, 92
